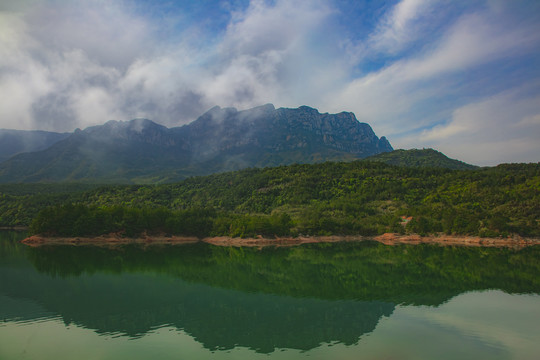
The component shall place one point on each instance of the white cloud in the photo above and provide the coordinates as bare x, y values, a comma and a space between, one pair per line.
400, 26
52, 55
246, 81
19, 91
85, 64
259, 58
474, 40
109, 32
409, 93
269, 51
65, 65
22, 80
494, 130
84, 105
280, 27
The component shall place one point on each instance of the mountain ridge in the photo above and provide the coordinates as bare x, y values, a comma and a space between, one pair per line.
222, 139
13, 142
421, 158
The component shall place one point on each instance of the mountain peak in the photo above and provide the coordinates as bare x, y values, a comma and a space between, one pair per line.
221, 139
308, 109
264, 108
115, 127
218, 110
384, 145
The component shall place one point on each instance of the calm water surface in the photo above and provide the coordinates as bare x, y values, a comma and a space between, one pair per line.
319, 301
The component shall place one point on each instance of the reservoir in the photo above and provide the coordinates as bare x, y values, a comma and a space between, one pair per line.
362, 300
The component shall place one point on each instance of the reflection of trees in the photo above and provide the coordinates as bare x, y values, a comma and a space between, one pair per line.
423, 274
289, 297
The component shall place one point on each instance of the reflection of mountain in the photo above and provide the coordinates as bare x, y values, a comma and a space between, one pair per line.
217, 318
290, 297
134, 304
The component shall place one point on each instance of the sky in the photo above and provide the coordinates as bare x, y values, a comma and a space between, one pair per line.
460, 76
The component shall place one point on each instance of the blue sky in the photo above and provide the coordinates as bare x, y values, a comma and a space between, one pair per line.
460, 76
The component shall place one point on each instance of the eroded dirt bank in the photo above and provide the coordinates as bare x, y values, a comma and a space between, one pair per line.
109, 240
112, 240
453, 240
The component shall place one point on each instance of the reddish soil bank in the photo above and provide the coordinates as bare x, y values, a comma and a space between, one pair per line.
109, 240
279, 241
452, 240
112, 240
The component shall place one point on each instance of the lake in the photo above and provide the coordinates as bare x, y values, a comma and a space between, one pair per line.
362, 300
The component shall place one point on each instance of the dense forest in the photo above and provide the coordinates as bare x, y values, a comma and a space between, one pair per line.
360, 197
421, 158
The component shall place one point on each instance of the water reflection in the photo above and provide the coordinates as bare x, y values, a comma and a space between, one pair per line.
295, 298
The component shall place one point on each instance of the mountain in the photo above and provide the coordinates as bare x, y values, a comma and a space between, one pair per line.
141, 151
13, 142
113, 152
421, 158
265, 136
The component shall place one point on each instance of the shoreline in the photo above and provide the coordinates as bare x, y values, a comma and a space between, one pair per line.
114, 240
14, 228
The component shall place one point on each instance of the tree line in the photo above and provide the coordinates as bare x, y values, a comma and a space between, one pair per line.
82, 220
358, 197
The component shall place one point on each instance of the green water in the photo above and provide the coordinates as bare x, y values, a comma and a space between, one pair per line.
319, 301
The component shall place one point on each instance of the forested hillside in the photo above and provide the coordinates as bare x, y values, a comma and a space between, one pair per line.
421, 158
360, 197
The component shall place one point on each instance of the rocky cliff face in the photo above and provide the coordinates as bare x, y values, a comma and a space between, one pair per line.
283, 129
221, 139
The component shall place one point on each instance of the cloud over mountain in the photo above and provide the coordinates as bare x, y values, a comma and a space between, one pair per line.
407, 67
